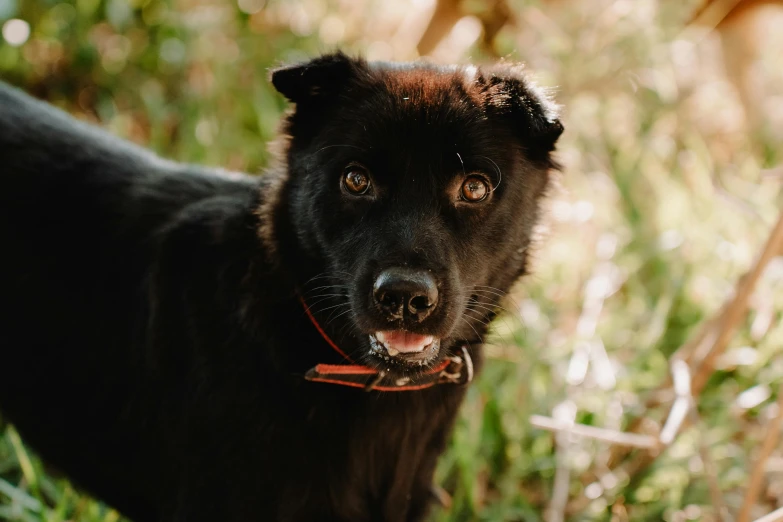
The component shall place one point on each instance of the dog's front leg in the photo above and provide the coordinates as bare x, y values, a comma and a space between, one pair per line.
422, 492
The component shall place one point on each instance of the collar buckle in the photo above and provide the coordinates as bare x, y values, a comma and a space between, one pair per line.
459, 370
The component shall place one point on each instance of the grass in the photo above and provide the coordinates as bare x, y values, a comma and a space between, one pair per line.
662, 206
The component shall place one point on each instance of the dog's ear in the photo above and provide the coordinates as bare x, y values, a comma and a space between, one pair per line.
317, 79
533, 114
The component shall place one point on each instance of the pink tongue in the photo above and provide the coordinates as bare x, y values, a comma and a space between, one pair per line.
404, 342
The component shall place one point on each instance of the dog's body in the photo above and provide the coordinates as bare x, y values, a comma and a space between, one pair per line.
153, 339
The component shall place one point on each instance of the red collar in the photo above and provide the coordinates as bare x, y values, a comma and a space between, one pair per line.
455, 369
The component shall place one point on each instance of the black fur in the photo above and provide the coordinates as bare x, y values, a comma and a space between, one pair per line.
152, 341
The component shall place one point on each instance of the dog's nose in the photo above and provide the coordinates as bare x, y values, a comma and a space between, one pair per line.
406, 292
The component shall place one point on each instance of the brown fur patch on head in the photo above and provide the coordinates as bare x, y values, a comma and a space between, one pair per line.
272, 190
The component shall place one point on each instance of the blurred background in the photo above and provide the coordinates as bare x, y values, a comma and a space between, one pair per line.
670, 188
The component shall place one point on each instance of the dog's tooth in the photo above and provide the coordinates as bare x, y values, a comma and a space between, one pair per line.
392, 351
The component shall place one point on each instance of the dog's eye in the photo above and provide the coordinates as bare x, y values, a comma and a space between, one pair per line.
356, 180
474, 189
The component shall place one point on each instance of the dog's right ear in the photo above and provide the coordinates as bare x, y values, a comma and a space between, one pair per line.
317, 79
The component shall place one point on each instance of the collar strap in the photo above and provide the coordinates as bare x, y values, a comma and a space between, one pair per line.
321, 331
455, 369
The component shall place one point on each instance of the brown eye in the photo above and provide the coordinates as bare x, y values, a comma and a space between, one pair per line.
356, 180
474, 189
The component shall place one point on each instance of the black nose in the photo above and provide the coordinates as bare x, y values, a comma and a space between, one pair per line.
405, 292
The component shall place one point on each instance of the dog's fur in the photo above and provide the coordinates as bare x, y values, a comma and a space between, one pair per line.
152, 341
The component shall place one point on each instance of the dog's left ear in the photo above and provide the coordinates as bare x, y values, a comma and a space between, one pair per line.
533, 113
317, 79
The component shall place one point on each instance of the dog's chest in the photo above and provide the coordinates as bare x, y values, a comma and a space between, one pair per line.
372, 455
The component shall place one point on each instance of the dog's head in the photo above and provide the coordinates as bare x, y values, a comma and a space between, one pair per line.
413, 190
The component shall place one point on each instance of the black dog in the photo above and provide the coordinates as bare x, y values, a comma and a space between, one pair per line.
189, 344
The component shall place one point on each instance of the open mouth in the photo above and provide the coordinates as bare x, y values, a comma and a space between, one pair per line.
404, 346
